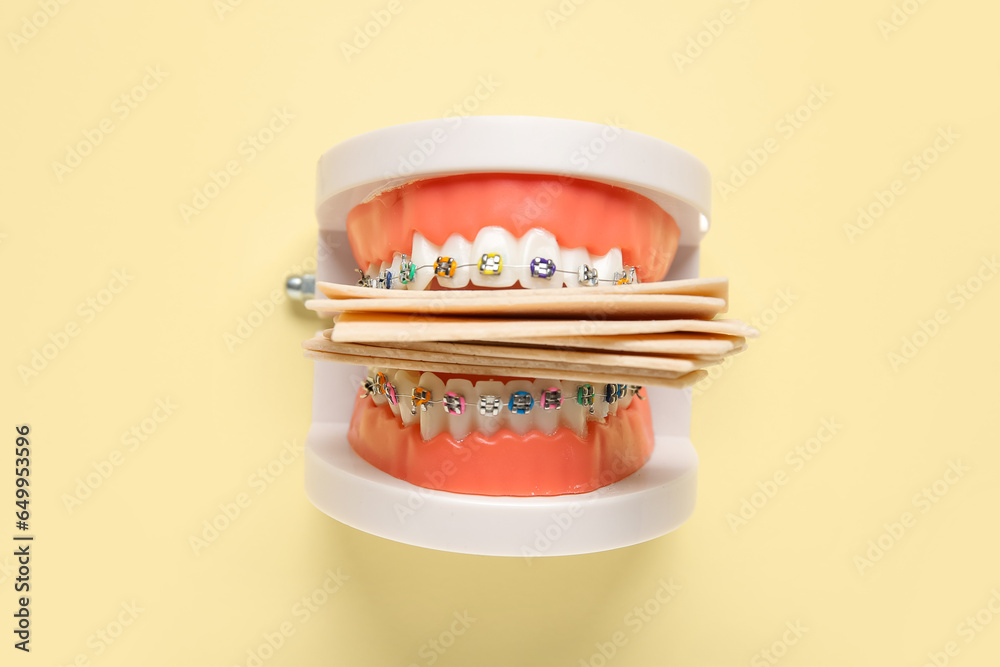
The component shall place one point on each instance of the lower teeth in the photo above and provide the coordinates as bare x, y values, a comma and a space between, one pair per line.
519, 404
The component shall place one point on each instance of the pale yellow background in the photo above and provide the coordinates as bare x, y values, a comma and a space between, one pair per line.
783, 231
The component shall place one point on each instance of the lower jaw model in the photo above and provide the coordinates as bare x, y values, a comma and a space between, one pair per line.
505, 436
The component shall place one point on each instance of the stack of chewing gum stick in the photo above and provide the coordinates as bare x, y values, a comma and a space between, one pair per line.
648, 334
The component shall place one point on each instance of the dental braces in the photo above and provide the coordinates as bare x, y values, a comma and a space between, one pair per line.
519, 403
491, 264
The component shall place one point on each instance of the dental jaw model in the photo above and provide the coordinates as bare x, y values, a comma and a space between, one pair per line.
520, 387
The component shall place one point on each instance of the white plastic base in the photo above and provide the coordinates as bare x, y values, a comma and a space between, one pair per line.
650, 503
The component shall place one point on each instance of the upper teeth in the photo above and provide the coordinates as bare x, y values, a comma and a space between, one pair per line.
497, 259
521, 405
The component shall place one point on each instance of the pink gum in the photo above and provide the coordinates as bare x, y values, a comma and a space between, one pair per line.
505, 464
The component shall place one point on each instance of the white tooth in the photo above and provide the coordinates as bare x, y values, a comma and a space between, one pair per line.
538, 243
378, 399
573, 415
625, 400
433, 420
459, 249
613, 407
462, 425
494, 240
424, 254
405, 381
573, 259
608, 265
487, 424
600, 405
546, 421
520, 424
394, 268
373, 270
390, 375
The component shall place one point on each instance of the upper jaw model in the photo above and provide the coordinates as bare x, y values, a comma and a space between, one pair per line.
479, 463
468, 217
